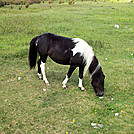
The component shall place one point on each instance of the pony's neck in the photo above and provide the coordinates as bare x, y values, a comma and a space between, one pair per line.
94, 66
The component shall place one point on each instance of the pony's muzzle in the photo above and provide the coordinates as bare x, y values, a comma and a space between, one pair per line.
100, 94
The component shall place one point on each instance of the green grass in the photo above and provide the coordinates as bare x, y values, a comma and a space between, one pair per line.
26, 108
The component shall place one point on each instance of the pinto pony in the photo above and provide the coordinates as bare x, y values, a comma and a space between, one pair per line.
67, 51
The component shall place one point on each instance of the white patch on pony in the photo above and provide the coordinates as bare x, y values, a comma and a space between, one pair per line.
42, 66
85, 50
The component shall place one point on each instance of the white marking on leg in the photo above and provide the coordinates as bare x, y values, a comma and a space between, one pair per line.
80, 85
42, 66
85, 50
65, 81
39, 75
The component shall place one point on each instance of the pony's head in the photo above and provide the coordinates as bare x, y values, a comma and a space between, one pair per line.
98, 82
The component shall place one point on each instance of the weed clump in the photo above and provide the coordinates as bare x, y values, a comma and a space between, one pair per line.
70, 2
50, 1
11, 6
20, 6
27, 5
61, 1
2, 4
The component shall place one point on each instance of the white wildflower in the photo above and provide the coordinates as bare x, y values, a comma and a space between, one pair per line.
101, 97
117, 26
93, 124
100, 125
44, 90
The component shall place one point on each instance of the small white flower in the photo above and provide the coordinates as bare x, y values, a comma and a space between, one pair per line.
93, 124
105, 58
47, 67
19, 78
131, 28
116, 114
125, 26
96, 127
117, 26
100, 125
131, 53
112, 98
44, 90
101, 97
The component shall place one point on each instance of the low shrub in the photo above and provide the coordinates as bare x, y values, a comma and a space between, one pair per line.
70, 2
20, 6
61, 1
2, 4
17, 2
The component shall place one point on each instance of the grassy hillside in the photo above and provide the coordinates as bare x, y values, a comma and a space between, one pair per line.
26, 108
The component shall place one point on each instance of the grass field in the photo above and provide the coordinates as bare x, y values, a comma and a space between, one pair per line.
26, 108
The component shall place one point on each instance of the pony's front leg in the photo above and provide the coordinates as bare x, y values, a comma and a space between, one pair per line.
81, 69
71, 69
42, 66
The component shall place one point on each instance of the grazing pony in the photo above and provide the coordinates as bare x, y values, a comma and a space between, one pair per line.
67, 51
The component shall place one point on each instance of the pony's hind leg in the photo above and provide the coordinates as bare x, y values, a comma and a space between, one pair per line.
42, 66
39, 69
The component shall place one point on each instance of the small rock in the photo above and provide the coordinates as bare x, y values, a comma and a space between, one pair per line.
79, 124
19, 78
116, 114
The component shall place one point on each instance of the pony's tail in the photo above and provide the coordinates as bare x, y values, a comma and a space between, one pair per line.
32, 53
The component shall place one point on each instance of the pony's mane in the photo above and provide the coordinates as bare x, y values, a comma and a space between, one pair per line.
85, 50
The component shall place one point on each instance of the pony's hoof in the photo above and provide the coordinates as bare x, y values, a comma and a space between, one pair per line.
82, 89
47, 84
64, 87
